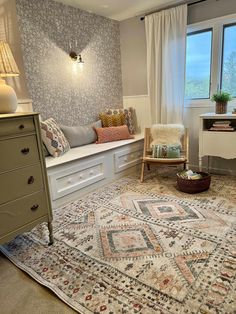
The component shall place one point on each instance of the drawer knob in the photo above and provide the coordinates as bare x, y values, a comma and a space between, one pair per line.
21, 127
25, 151
31, 180
34, 207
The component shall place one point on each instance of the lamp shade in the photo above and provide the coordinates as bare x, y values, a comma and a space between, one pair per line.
8, 67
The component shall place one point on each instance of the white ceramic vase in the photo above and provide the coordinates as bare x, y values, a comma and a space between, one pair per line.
8, 99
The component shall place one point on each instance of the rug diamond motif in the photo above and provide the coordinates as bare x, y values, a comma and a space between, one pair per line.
129, 241
167, 210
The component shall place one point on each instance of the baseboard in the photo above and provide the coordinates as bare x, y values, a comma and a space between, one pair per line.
213, 170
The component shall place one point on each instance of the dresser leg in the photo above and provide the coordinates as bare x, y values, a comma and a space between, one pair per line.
51, 240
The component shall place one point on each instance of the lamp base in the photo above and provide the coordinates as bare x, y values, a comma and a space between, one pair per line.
8, 99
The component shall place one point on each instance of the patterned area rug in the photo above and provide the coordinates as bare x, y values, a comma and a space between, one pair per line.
139, 248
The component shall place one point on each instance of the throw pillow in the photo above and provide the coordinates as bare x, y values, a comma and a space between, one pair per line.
114, 133
166, 151
167, 134
109, 120
129, 117
81, 135
53, 138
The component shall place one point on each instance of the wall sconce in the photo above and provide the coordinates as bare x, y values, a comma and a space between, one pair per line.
75, 57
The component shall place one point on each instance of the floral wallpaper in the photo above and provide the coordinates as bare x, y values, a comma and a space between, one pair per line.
59, 87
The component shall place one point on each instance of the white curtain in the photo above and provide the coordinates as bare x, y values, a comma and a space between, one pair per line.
166, 50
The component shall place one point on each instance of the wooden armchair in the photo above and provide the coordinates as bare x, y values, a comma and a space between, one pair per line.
147, 153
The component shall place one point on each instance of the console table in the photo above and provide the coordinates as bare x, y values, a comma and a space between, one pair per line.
216, 143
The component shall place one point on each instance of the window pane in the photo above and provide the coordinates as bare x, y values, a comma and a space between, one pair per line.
198, 65
228, 80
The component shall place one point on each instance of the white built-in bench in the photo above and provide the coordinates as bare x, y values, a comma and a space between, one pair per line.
86, 168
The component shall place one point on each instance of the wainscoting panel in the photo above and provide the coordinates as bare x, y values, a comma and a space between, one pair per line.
141, 105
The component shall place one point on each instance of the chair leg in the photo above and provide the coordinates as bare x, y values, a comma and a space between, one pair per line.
148, 166
185, 166
142, 171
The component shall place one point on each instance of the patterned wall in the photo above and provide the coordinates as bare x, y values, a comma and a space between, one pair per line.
59, 87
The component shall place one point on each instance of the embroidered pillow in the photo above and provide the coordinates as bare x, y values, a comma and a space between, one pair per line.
112, 120
115, 133
129, 117
53, 138
166, 151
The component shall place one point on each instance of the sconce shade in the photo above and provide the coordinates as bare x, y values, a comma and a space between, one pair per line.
8, 67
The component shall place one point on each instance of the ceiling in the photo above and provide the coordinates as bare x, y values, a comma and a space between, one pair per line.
119, 9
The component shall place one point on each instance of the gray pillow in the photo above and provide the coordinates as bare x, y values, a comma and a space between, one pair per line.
81, 134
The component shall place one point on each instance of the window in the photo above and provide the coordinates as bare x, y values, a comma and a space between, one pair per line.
198, 64
210, 60
228, 74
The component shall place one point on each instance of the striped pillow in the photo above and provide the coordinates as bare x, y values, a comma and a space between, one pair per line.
115, 133
109, 120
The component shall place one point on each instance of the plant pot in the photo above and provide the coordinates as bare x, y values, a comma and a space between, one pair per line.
221, 107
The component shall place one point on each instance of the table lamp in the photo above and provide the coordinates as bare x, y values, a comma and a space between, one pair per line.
8, 67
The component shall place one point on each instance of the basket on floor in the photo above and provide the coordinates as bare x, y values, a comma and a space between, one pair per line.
194, 186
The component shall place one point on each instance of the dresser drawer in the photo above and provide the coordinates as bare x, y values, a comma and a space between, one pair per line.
21, 182
16, 126
18, 152
18, 213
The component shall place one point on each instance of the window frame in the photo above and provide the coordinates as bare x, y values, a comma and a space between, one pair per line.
222, 55
217, 26
210, 29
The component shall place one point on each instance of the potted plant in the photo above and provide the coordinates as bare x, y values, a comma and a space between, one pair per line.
221, 98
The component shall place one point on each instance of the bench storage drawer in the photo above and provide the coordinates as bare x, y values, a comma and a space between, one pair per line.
127, 157
77, 176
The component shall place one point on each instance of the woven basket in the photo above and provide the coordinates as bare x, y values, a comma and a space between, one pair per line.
194, 186
221, 107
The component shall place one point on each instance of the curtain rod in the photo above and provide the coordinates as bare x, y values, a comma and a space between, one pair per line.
168, 7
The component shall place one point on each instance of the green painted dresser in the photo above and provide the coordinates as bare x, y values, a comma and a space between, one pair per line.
24, 193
